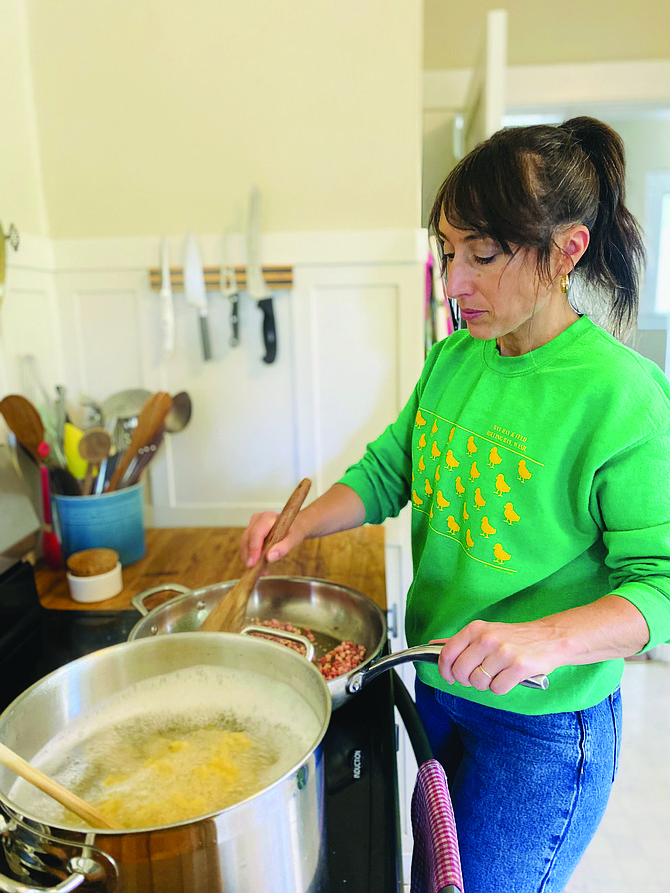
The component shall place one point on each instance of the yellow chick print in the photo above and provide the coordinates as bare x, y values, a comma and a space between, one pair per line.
487, 529
494, 458
417, 500
451, 433
501, 485
431, 510
433, 430
509, 514
434, 452
480, 502
524, 474
442, 503
451, 461
428, 488
422, 441
469, 542
474, 472
422, 464
466, 516
460, 489
437, 473
452, 525
500, 555
472, 446
420, 421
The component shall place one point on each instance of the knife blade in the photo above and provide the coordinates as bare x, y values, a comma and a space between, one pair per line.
229, 290
167, 302
256, 286
194, 288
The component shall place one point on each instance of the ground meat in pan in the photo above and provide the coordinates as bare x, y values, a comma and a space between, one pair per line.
338, 661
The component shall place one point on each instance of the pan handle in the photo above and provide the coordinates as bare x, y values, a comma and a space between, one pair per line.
83, 869
137, 601
427, 653
281, 634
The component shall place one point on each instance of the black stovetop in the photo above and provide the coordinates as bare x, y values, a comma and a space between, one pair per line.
362, 822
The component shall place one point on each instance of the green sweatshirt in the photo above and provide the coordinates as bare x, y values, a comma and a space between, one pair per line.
538, 483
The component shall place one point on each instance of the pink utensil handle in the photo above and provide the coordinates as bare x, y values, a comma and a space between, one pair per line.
46, 493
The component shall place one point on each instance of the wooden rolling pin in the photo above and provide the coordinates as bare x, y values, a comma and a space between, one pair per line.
46, 784
229, 613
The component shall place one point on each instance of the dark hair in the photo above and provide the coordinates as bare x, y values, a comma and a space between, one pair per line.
524, 183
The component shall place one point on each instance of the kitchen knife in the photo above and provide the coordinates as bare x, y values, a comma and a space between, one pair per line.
167, 303
194, 288
229, 290
256, 286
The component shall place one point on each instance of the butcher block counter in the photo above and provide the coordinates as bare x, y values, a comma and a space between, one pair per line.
201, 556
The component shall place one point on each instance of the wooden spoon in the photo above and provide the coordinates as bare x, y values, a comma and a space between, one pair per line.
94, 447
46, 784
229, 613
149, 422
24, 421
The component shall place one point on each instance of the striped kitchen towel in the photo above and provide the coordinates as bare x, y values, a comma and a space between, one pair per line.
436, 864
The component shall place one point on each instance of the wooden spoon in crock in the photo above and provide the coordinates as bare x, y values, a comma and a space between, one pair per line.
149, 422
46, 784
94, 447
24, 421
229, 613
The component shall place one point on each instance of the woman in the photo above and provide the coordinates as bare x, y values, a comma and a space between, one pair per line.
535, 451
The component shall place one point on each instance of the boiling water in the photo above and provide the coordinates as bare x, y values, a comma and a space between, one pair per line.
176, 746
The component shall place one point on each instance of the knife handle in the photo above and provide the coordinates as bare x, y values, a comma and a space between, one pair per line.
204, 332
269, 330
234, 321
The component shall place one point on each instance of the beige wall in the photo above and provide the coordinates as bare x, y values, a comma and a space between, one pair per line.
545, 33
20, 185
159, 116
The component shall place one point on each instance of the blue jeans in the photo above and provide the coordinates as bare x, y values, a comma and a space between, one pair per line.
528, 791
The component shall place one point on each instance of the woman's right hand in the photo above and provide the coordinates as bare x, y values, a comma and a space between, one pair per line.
251, 544
339, 508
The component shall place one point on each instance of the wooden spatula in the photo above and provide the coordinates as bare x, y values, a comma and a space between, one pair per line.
24, 421
46, 784
228, 614
149, 421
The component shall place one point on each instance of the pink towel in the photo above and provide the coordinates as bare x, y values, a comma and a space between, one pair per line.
436, 864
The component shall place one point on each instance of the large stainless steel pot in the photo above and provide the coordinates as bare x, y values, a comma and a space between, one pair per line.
331, 611
272, 841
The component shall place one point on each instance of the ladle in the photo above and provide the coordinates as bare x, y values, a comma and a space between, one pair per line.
94, 447
54, 790
180, 413
228, 614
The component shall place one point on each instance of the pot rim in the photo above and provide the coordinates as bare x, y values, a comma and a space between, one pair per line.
314, 749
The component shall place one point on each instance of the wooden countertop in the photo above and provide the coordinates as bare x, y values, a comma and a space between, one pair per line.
200, 556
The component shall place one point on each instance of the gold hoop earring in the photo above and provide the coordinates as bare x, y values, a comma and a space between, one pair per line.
565, 283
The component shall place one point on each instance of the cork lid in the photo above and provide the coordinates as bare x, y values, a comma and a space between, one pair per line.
91, 562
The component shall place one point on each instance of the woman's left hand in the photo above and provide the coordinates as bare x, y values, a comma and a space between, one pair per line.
497, 656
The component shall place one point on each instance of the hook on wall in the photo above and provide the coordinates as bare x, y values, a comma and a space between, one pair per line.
11, 236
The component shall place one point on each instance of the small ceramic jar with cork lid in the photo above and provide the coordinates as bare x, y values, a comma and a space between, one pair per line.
94, 575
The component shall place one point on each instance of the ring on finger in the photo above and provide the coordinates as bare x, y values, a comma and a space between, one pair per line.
480, 667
